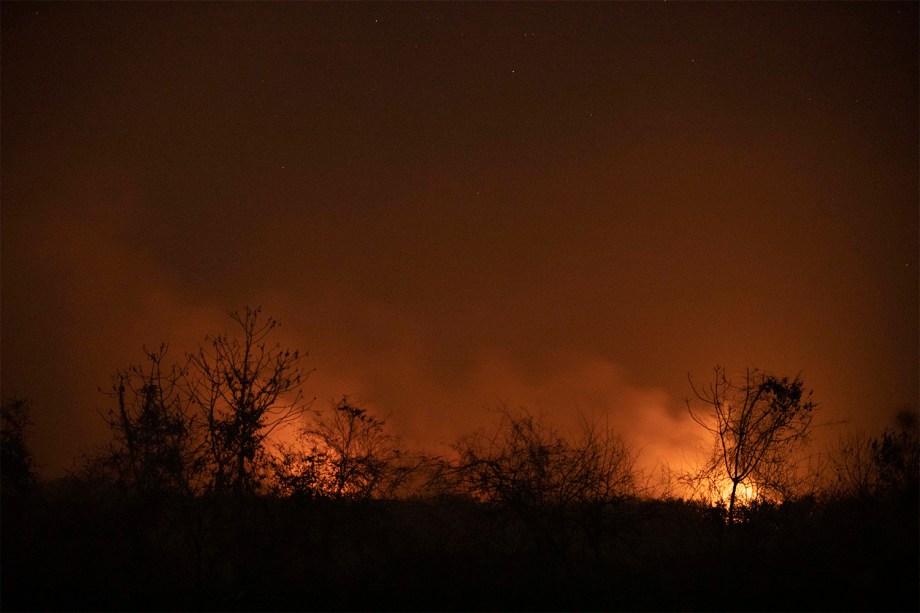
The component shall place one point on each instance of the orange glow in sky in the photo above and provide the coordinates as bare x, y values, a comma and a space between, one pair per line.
566, 207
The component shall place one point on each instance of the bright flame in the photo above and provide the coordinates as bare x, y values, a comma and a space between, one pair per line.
745, 493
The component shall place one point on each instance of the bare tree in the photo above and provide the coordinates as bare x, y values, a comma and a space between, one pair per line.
558, 486
755, 426
244, 388
854, 469
345, 453
525, 462
297, 471
879, 465
154, 446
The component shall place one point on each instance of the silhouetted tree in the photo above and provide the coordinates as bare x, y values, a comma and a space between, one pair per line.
526, 462
897, 454
854, 467
155, 448
244, 388
755, 426
297, 471
16, 465
345, 453
551, 482
878, 465
357, 450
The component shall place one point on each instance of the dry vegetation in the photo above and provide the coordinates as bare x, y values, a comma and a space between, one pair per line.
190, 507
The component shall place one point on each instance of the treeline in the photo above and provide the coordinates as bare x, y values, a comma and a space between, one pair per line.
191, 506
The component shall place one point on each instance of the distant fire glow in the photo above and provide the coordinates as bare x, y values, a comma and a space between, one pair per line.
507, 256
745, 492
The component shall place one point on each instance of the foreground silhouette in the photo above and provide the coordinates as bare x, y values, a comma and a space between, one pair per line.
188, 508
81, 546
90, 542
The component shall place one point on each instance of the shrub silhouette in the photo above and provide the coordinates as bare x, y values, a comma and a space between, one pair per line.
522, 516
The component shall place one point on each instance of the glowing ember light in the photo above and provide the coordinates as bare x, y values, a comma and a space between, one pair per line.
745, 492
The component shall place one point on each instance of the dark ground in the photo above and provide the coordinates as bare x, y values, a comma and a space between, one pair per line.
67, 547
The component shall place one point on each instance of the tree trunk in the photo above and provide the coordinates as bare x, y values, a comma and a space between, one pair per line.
731, 504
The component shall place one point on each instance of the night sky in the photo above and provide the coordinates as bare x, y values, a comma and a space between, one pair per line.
567, 207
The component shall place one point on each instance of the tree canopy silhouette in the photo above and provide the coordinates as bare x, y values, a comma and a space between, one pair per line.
154, 445
202, 425
755, 426
244, 388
